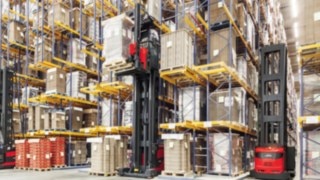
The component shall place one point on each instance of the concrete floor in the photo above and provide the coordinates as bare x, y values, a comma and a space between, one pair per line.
82, 174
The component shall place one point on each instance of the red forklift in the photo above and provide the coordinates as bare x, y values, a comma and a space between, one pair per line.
275, 153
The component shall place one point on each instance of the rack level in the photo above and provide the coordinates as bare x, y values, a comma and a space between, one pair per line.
123, 130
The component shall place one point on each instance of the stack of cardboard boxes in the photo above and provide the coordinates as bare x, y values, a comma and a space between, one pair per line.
78, 152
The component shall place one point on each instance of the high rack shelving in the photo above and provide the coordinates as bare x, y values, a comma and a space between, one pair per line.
309, 115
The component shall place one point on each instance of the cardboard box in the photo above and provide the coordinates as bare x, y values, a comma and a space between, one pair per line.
43, 50
109, 113
177, 146
217, 13
31, 118
58, 12
56, 81
40, 116
176, 46
220, 48
76, 118
192, 104
16, 32
75, 81
221, 104
90, 117
75, 54
78, 21
58, 118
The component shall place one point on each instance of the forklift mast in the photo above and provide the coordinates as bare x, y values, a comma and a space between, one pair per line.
274, 159
145, 55
7, 151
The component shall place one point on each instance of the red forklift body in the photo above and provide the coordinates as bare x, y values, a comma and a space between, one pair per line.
269, 160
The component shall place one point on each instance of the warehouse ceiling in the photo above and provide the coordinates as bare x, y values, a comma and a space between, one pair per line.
301, 22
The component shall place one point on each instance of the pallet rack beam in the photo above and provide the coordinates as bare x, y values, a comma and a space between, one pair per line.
76, 66
58, 99
182, 77
122, 130
219, 72
31, 80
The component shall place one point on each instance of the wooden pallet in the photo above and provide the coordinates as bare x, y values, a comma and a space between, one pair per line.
110, 174
59, 166
96, 174
172, 68
116, 63
177, 174
22, 168
40, 169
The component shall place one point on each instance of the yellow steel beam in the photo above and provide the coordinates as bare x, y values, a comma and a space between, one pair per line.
93, 54
32, 80
163, 27
304, 120
20, 107
249, 49
27, 135
178, 126
195, 29
107, 130
309, 47
226, 124
184, 73
131, 3
166, 99
76, 66
202, 21
57, 99
20, 15
21, 46
65, 133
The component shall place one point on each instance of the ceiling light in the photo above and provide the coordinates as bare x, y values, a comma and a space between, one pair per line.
294, 8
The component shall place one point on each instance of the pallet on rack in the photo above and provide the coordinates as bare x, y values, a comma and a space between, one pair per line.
59, 166
177, 174
118, 65
22, 168
40, 169
96, 173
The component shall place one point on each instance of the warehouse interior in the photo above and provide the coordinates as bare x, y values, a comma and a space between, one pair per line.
159, 89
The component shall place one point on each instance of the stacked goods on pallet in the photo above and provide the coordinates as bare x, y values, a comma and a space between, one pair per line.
169, 91
252, 114
200, 154
57, 151
312, 95
90, 117
16, 32
55, 119
250, 153
191, 103
108, 154
75, 54
39, 111
91, 83
93, 26
61, 49
97, 155
43, 49
154, 9
176, 154
117, 30
40, 19
40, 151
92, 61
217, 13
242, 67
109, 112
220, 150
252, 77
78, 21
56, 81
127, 113
31, 117
312, 153
74, 118
221, 103
120, 147
22, 153
178, 46
78, 152
220, 50
16, 121
58, 12
28, 92
75, 81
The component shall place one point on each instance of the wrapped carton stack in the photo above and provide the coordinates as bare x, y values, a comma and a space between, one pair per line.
109, 112
78, 152
191, 104
176, 154
57, 151
76, 118
90, 117
22, 153
75, 81
75, 54
16, 120
40, 150
58, 12
56, 81
176, 45
219, 148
